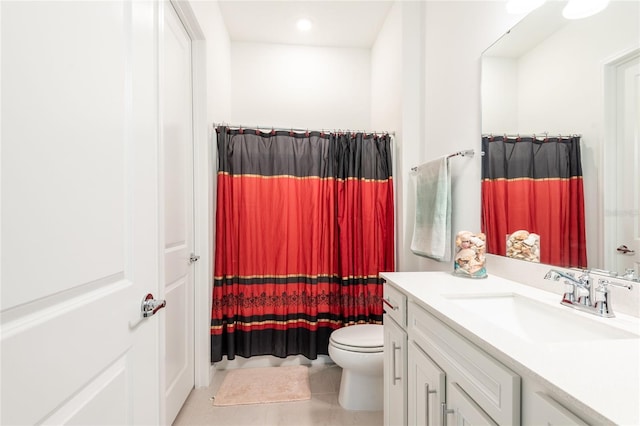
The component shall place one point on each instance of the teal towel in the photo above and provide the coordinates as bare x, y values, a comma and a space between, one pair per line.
432, 228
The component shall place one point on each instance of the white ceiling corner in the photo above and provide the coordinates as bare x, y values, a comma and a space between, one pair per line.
336, 23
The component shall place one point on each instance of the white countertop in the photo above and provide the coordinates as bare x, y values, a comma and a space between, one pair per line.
602, 375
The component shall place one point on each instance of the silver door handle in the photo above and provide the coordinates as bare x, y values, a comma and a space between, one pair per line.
427, 392
393, 361
150, 305
388, 303
445, 411
625, 250
193, 258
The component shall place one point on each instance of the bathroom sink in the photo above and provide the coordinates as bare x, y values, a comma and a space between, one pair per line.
535, 321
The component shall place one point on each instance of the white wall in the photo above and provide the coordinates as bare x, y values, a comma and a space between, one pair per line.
500, 96
218, 60
456, 34
218, 82
426, 86
413, 127
218, 76
300, 86
386, 73
386, 103
570, 100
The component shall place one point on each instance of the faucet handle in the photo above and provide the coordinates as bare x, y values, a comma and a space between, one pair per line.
585, 284
603, 284
603, 304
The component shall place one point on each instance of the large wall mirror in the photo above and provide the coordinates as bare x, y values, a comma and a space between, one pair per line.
553, 76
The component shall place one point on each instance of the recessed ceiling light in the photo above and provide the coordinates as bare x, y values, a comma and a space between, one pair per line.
303, 24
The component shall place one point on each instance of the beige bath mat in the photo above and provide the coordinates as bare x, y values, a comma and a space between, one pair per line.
264, 385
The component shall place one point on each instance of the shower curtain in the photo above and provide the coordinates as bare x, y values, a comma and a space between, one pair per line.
304, 225
535, 185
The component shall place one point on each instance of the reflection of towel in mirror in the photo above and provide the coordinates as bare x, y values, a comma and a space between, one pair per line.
432, 228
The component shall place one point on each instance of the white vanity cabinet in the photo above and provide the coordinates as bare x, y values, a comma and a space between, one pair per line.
479, 389
426, 397
395, 358
464, 367
447, 375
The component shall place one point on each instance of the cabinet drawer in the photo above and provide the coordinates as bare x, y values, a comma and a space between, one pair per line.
395, 305
495, 388
546, 411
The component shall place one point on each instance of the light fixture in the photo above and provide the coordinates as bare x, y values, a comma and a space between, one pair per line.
523, 6
577, 9
303, 24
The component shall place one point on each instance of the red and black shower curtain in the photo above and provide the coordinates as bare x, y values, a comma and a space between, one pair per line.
535, 185
304, 225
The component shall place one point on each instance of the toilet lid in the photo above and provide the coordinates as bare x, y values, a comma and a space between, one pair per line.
359, 338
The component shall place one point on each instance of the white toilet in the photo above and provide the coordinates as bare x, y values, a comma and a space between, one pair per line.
358, 349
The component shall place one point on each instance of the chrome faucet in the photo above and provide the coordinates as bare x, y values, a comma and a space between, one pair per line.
597, 301
575, 296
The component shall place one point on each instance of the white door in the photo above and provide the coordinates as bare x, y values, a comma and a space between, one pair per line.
178, 213
426, 388
395, 373
80, 226
627, 211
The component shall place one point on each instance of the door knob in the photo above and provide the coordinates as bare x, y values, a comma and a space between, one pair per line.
625, 250
193, 258
150, 305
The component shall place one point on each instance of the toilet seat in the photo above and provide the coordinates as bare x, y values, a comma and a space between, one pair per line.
363, 338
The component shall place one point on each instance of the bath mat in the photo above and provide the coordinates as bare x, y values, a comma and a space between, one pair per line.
264, 385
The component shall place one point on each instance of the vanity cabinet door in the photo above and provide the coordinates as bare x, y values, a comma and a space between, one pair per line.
426, 388
487, 381
395, 374
461, 410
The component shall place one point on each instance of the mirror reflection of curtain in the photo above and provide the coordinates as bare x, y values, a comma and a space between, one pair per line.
304, 224
535, 184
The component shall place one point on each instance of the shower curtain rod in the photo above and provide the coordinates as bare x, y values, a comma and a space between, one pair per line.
293, 129
469, 152
532, 135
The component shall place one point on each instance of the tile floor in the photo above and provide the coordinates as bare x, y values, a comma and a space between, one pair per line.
321, 410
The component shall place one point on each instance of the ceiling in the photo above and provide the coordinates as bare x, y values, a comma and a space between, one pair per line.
526, 34
336, 23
